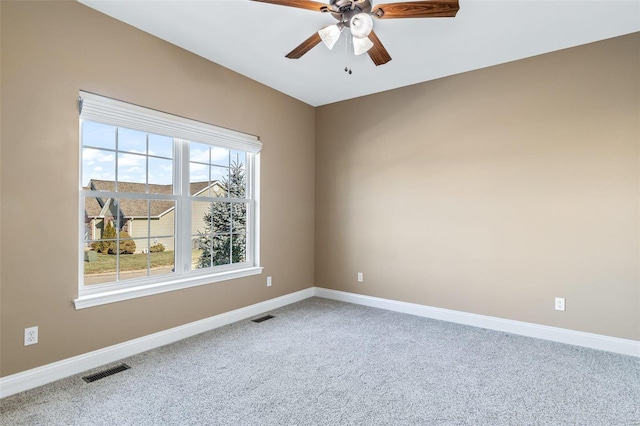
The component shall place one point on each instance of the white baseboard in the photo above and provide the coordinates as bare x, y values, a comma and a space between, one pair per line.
561, 335
39, 376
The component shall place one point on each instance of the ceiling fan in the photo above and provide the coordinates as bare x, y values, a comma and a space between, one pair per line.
357, 16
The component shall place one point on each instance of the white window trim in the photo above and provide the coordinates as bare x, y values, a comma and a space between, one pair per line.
110, 296
98, 108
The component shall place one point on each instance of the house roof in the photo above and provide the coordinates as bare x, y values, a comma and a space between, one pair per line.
93, 206
131, 207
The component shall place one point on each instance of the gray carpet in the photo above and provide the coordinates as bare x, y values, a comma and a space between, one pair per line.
321, 362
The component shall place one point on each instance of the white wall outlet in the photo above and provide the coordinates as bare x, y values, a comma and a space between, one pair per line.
360, 277
559, 303
268, 281
30, 336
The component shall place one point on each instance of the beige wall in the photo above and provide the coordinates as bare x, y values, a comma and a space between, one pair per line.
492, 192
51, 50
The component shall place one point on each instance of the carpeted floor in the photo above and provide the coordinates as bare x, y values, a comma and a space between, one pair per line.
321, 362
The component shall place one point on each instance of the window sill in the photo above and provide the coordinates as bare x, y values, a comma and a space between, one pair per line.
112, 296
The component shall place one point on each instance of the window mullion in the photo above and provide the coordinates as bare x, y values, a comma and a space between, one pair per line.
183, 212
253, 218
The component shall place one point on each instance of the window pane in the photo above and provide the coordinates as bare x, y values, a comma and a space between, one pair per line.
221, 249
200, 218
104, 234
100, 262
217, 189
162, 257
239, 217
220, 213
98, 164
195, 252
210, 218
162, 244
132, 265
220, 174
211, 224
237, 157
132, 141
201, 251
99, 268
239, 247
219, 156
98, 135
129, 211
92, 220
237, 181
132, 168
199, 152
160, 146
160, 173
136, 264
162, 219
123, 245
198, 179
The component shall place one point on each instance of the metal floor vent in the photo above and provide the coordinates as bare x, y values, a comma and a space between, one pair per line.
106, 373
264, 318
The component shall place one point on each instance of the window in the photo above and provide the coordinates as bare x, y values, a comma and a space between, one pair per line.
165, 202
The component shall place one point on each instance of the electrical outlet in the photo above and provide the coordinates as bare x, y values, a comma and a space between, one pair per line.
559, 303
360, 277
30, 336
268, 281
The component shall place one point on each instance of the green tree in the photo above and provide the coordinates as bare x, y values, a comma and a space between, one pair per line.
223, 240
109, 233
125, 245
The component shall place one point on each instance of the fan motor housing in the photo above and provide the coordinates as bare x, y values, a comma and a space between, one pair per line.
344, 10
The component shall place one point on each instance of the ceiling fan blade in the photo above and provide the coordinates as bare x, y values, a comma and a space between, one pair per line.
305, 46
302, 4
418, 9
378, 53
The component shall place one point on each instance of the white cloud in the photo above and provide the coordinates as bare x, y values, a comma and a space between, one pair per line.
91, 156
219, 155
200, 153
126, 160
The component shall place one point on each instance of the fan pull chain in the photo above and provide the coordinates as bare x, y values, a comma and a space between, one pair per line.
347, 44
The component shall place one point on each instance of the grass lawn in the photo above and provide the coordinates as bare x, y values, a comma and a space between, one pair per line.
128, 262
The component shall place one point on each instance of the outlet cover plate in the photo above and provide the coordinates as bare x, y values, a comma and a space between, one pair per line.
559, 303
31, 336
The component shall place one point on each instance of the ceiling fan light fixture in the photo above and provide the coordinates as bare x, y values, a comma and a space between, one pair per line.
330, 35
361, 45
361, 25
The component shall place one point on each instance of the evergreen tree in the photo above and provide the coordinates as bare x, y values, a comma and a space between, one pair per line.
109, 233
125, 245
223, 240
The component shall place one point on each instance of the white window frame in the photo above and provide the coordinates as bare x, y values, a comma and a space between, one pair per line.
113, 112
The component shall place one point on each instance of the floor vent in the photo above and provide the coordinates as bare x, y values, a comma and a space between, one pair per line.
106, 373
264, 318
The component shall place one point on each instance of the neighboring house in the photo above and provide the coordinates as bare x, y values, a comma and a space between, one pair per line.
147, 223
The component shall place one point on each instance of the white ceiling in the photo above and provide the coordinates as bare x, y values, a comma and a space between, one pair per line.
253, 38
